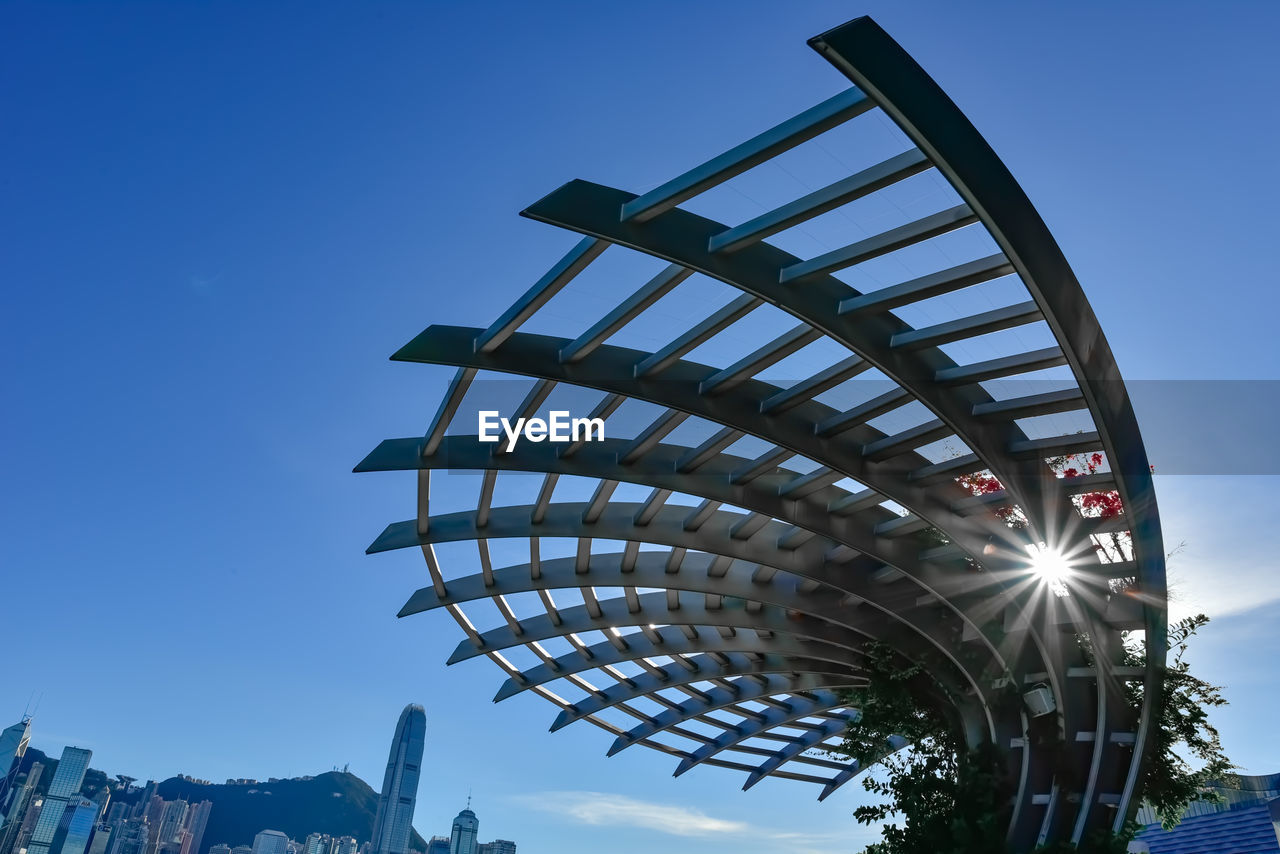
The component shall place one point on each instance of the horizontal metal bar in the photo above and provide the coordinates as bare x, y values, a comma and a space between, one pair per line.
818, 202
767, 461
811, 482
901, 526
826, 379
653, 434
1046, 403
932, 285
573, 263
898, 443
652, 291
881, 244
716, 443
863, 412
1054, 446
856, 502
734, 311
1006, 366
813, 121
751, 364
969, 327
947, 469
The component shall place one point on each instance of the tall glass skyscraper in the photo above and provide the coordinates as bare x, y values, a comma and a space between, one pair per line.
13, 745
394, 821
466, 827
75, 829
66, 782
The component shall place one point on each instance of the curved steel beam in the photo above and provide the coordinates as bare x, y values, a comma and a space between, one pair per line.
864, 53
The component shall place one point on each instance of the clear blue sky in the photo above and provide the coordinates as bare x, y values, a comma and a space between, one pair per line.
220, 219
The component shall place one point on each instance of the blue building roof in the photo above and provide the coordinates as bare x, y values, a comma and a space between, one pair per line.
1243, 830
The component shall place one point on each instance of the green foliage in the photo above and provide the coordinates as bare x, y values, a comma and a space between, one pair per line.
944, 799
1186, 752
950, 800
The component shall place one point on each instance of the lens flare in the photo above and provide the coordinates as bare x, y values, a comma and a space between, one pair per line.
1051, 567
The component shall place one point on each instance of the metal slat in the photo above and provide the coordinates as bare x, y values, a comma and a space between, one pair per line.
573, 263
969, 327
1006, 366
1046, 403
881, 244
750, 365
932, 285
832, 112
814, 385
736, 310
818, 202
628, 309
863, 412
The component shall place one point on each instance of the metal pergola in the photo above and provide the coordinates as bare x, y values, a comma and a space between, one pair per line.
721, 617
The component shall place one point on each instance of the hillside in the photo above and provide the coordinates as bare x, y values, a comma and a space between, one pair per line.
336, 803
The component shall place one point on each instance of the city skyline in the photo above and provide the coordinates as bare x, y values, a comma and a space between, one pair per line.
257, 226
138, 820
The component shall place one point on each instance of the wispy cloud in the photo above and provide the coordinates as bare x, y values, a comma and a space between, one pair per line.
606, 809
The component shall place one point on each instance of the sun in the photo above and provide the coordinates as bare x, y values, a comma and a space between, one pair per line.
1051, 567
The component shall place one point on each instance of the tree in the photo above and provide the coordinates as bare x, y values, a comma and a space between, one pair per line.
945, 798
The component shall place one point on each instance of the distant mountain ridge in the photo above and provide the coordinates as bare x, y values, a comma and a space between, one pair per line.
337, 803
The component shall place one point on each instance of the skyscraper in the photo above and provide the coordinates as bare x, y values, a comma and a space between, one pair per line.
197, 820
75, 828
19, 808
13, 744
66, 782
465, 829
270, 842
393, 823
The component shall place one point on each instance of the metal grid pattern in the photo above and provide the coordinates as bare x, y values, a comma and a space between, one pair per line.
734, 555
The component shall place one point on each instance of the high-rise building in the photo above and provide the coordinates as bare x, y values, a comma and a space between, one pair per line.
173, 820
20, 808
317, 843
28, 826
197, 820
393, 823
270, 842
130, 836
345, 845
242, 849
438, 845
102, 799
66, 782
101, 839
13, 745
75, 828
465, 828
498, 846
220, 849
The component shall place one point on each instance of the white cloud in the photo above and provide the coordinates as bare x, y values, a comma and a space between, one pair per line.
1228, 565
605, 809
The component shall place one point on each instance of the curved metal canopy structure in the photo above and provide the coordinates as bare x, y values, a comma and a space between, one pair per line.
734, 554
